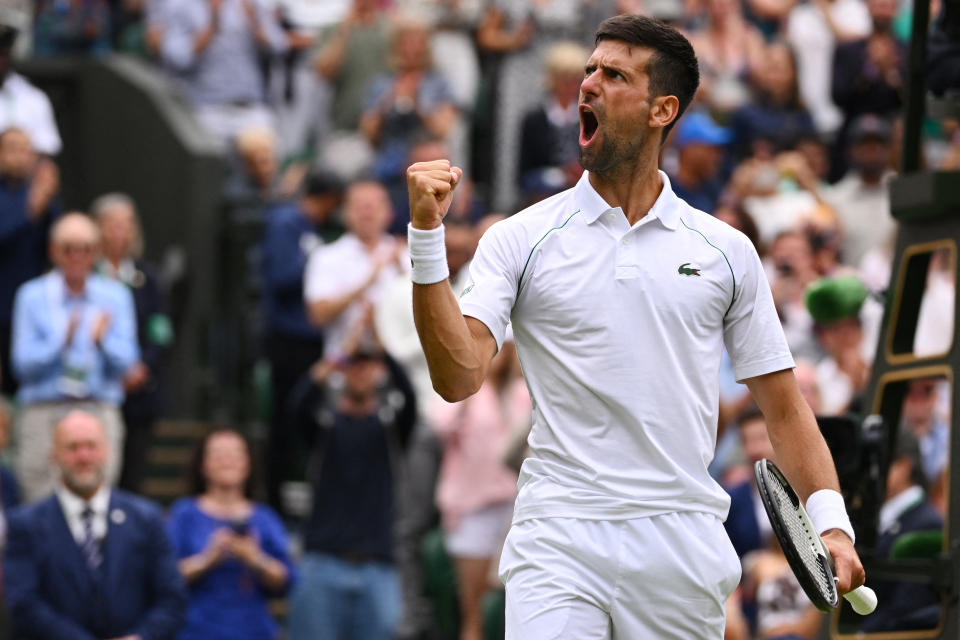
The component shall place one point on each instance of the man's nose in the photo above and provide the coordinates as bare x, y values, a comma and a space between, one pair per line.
590, 84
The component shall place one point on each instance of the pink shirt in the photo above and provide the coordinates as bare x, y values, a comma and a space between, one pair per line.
473, 433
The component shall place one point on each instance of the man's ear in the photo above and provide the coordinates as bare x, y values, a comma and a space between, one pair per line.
663, 111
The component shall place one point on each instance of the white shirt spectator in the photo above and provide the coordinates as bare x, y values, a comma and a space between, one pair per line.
813, 43
25, 107
335, 270
863, 211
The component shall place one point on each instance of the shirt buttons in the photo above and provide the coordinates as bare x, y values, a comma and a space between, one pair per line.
626, 241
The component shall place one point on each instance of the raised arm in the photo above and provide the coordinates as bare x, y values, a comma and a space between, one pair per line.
804, 457
458, 348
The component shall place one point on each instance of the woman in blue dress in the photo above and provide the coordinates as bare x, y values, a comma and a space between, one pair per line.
233, 551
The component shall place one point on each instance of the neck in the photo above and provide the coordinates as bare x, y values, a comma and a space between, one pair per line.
357, 406
75, 285
871, 179
370, 243
224, 495
634, 188
85, 495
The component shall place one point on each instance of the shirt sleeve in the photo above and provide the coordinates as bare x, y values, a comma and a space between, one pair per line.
45, 135
751, 328
494, 279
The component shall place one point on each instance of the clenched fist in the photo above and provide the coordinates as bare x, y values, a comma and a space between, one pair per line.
431, 186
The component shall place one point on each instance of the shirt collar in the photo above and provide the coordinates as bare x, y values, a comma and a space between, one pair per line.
59, 281
592, 205
73, 505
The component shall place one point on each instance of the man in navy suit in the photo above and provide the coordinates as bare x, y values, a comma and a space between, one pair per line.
90, 562
907, 509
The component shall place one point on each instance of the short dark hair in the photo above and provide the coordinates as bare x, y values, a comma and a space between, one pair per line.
672, 69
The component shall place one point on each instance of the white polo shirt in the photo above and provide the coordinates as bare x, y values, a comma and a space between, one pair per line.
620, 332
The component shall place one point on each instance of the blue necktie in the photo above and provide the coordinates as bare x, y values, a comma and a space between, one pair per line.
90, 545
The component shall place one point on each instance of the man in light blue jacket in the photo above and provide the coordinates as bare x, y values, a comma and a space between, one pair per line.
74, 337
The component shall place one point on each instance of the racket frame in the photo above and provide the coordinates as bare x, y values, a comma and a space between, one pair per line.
824, 602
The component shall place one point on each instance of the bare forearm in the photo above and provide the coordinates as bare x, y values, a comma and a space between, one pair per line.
456, 366
323, 311
192, 567
800, 449
802, 452
273, 573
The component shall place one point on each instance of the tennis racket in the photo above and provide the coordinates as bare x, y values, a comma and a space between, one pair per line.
806, 553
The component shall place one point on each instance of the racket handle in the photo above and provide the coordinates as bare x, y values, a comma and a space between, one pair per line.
862, 599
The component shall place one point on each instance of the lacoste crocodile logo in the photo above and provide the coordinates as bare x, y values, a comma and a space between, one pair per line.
687, 270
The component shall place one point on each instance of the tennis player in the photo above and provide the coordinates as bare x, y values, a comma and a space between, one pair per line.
621, 297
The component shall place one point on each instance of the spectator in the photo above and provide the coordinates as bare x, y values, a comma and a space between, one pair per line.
71, 27
549, 160
476, 491
349, 587
791, 268
74, 339
22, 105
781, 193
747, 523
931, 429
728, 49
90, 562
868, 73
411, 101
291, 342
774, 596
907, 509
214, 49
861, 199
254, 178
776, 119
842, 374
28, 206
772, 599
700, 147
814, 29
343, 280
350, 56
232, 551
122, 244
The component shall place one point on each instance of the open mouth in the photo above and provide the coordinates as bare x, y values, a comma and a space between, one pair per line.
589, 125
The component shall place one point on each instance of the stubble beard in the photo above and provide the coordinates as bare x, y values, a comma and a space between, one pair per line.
83, 483
612, 155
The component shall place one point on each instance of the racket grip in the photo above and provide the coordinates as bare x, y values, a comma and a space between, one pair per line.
862, 599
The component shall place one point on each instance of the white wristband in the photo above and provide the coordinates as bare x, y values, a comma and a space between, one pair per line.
428, 255
827, 511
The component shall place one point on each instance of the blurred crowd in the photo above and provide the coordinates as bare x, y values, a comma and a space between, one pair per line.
319, 107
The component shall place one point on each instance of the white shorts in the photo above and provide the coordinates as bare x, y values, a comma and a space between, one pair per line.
663, 577
480, 534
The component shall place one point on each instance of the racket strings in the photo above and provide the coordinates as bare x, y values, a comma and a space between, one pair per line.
803, 540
